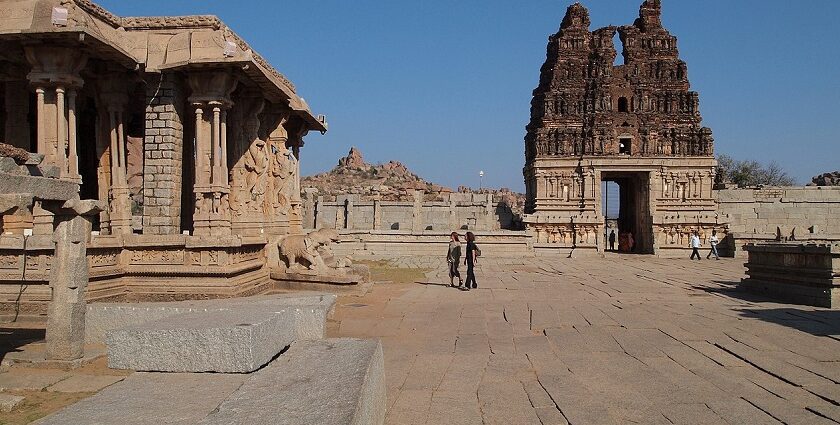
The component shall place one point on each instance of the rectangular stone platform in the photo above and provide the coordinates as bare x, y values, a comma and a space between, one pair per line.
326, 382
795, 273
102, 317
232, 337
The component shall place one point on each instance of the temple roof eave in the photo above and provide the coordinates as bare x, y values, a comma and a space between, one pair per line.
74, 36
275, 90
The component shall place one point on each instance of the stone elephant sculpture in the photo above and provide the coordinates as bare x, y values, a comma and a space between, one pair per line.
305, 247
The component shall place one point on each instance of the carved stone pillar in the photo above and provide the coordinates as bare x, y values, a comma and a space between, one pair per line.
211, 99
55, 78
113, 92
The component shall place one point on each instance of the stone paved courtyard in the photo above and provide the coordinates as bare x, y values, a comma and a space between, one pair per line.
626, 339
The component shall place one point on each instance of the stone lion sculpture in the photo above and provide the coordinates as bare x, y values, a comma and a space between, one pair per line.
305, 247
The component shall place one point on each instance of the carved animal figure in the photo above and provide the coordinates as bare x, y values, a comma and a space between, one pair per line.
305, 247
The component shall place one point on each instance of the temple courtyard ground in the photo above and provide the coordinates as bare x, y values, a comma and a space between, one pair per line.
624, 339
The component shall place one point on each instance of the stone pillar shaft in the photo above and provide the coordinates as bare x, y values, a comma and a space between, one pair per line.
39, 111
72, 136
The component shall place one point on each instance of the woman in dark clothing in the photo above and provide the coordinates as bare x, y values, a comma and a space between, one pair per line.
470, 260
453, 258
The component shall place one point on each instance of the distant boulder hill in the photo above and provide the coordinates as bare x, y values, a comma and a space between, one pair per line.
391, 181
826, 179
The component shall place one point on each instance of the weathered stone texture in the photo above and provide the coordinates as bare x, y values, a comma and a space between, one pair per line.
637, 124
329, 382
799, 274
334, 381
163, 165
233, 336
103, 317
807, 212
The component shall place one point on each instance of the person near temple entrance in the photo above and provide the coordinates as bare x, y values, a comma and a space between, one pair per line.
612, 240
713, 243
631, 243
453, 257
470, 261
695, 245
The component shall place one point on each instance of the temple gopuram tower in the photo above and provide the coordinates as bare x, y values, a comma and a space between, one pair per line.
636, 124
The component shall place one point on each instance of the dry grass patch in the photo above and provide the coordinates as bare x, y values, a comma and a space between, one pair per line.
381, 271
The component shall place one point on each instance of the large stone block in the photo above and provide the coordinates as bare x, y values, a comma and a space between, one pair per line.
231, 337
102, 317
328, 382
218, 341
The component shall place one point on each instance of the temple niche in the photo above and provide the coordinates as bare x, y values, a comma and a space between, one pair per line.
189, 138
637, 124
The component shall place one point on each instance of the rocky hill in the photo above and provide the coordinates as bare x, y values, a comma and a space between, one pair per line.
826, 179
390, 181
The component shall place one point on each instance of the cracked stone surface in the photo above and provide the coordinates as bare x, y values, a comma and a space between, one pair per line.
625, 339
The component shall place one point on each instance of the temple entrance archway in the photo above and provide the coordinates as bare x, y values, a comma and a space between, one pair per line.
628, 209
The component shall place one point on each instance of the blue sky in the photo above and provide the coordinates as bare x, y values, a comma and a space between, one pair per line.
445, 86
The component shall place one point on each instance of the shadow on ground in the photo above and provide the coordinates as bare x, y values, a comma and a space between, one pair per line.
814, 322
11, 339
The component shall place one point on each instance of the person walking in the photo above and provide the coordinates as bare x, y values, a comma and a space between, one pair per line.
612, 240
713, 243
695, 245
470, 260
453, 258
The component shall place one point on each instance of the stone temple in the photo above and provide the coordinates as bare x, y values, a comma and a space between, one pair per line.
637, 124
189, 138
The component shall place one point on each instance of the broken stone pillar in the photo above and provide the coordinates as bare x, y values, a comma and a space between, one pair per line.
453, 213
377, 214
68, 280
417, 222
490, 215
348, 211
319, 216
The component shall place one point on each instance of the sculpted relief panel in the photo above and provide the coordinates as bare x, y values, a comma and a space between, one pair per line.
263, 179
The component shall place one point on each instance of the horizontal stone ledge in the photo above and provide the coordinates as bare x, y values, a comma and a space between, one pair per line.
102, 317
239, 338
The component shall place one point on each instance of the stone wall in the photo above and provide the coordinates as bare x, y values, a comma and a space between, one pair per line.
163, 148
391, 244
458, 211
771, 213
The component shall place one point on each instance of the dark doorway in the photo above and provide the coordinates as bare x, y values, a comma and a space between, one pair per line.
626, 205
622, 105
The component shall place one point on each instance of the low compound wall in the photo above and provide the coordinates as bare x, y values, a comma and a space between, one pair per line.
757, 215
387, 244
799, 274
458, 211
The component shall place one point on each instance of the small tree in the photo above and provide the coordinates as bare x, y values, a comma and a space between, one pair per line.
751, 173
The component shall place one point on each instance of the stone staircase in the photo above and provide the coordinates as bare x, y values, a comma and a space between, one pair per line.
237, 361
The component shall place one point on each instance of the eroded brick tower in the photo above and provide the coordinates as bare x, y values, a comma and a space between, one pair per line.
637, 124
